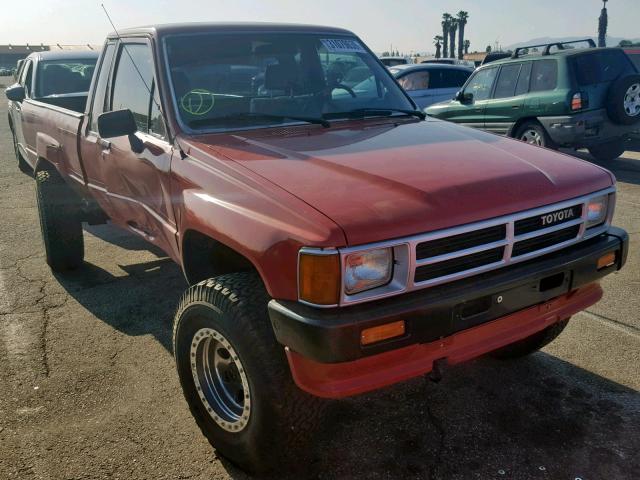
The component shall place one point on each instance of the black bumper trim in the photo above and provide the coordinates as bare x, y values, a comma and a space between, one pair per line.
333, 335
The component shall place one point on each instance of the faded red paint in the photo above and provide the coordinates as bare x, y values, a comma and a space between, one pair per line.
337, 380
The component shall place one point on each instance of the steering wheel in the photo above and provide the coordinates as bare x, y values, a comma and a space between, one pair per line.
342, 86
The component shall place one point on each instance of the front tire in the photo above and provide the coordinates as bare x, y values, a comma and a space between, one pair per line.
235, 376
531, 344
607, 152
534, 134
60, 222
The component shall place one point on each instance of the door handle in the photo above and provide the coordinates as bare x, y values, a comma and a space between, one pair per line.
515, 107
105, 144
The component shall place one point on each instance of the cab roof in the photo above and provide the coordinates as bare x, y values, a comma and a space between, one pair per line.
65, 55
226, 27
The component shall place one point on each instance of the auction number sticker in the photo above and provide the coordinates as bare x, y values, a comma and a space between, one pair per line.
342, 45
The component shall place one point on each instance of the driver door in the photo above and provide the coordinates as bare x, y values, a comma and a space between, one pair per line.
138, 184
471, 113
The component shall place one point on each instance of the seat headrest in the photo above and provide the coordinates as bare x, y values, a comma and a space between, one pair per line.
280, 76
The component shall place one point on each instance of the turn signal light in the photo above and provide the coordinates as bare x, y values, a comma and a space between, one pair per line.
606, 260
319, 278
382, 332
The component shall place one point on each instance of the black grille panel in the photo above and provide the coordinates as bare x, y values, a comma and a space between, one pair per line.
556, 217
460, 264
462, 241
537, 243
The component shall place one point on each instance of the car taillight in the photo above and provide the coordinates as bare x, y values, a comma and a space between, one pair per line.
579, 101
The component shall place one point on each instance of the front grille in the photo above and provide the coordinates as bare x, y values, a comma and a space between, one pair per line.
459, 264
465, 250
546, 220
462, 241
544, 241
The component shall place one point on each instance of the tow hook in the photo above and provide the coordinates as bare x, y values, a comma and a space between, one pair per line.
435, 375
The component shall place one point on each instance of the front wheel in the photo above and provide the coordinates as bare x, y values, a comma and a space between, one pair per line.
531, 344
234, 374
534, 134
607, 152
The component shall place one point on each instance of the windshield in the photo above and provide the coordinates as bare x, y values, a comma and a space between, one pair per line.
56, 77
247, 80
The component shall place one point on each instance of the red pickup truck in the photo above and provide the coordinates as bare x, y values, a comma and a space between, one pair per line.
336, 241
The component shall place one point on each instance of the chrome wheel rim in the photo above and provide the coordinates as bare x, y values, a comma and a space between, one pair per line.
531, 136
632, 100
220, 380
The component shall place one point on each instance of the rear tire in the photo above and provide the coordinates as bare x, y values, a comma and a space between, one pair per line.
531, 344
235, 376
534, 134
23, 166
60, 222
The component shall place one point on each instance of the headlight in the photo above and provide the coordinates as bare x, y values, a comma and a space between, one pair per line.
367, 270
597, 210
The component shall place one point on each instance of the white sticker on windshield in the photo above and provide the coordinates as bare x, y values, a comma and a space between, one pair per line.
342, 45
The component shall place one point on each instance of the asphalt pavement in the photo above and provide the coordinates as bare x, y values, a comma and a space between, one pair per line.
88, 387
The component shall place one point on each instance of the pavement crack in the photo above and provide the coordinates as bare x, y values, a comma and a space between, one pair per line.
629, 329
437, 424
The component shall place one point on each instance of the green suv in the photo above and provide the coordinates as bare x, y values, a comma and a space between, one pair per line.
553, 95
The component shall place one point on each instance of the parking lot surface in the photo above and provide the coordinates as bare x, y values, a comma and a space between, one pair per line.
88, 387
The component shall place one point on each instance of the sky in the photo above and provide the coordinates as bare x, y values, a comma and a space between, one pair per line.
408, 25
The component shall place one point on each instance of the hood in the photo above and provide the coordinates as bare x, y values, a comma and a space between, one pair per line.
383, 180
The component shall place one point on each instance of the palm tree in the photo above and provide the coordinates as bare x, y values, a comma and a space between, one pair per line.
453, 27
437, 42
602, 25
462, 21
467, 44
446, 22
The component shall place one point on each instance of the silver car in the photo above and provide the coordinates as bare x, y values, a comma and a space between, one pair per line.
429, 83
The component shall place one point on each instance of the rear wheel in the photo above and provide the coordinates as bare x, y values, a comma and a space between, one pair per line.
235, 376
534, 134
22, 163
609, 151
60, 222
531, 344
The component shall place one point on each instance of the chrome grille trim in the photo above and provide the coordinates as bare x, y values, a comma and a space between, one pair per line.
404, 249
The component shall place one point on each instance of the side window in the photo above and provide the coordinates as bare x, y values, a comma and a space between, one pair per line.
524, 78
544, 75
133, 81
415, 81
506, 84
481, 83
27, 78
450, 78
101, 86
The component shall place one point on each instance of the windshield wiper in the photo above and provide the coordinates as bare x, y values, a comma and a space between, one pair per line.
363, 112
243, 115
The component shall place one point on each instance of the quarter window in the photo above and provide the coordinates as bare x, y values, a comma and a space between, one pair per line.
544, 75
506, 84
101, 87
481, 83
27, 78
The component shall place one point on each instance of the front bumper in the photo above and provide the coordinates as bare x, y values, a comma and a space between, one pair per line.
489, 311
585, 129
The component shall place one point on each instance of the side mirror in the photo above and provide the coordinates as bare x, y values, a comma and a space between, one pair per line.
463, 97
120, 123
15, 93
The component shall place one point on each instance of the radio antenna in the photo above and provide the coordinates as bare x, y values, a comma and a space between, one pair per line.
153, 98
